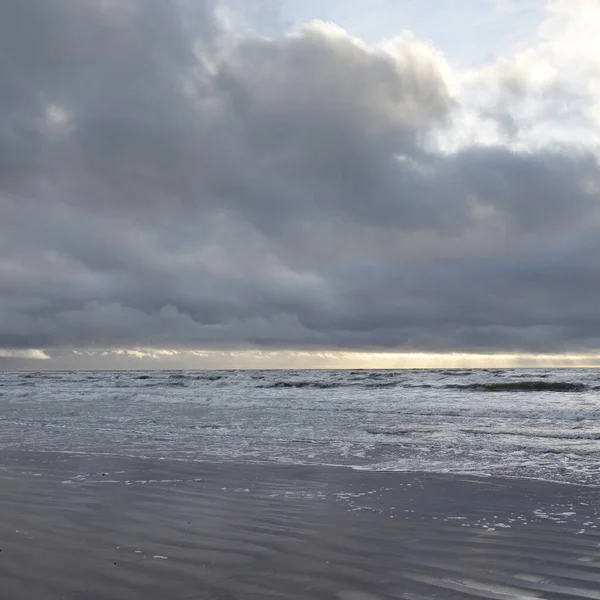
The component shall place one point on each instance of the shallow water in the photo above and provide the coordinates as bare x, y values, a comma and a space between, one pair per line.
525, 423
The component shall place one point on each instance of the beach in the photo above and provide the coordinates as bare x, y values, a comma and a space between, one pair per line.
299, 300
100, 526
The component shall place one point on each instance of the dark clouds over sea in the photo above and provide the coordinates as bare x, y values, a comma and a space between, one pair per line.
168, 182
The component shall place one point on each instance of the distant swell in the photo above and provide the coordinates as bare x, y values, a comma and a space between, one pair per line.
456, 373
522, 386
323, 385
300, 384
383, 384
381, 375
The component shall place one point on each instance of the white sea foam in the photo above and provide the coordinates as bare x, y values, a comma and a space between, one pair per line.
543, 424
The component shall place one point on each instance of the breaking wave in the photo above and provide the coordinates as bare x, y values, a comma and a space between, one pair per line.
326, 385
300, 384
551, 435
390, 431
456, 372
381, 375
522, 386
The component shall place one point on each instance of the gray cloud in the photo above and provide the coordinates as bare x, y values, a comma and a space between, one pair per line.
168, 183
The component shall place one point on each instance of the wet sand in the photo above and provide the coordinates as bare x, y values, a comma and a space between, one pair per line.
101, 527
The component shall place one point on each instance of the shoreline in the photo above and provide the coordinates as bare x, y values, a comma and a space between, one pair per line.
89, 526
276, 464
408, 423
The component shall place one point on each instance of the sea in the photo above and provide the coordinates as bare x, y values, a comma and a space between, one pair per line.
526, 423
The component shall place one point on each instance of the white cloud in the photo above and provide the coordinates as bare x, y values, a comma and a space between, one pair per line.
24, 353
542, 96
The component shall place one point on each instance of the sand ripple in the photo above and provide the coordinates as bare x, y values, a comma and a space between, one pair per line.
99, 528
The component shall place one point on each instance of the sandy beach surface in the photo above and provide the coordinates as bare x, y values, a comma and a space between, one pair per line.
100, 527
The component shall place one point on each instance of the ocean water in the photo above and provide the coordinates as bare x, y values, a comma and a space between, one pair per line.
542, 424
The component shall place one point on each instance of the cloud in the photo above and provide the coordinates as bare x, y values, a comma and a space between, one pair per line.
170, 181
544, 95
26, 354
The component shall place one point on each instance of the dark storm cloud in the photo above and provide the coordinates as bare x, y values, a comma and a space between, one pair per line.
165, 182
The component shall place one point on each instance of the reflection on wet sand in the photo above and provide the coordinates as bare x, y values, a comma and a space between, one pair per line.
96, 527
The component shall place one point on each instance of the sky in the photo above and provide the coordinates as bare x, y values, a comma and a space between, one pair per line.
299, 183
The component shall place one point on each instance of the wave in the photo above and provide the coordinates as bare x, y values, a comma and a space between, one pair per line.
383, 384
300, 384
455, 373
538, 375
389, 431
326, 385
522, 386
381, 375
177, 378
551, 435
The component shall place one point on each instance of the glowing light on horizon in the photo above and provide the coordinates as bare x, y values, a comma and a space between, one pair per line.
170, 358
